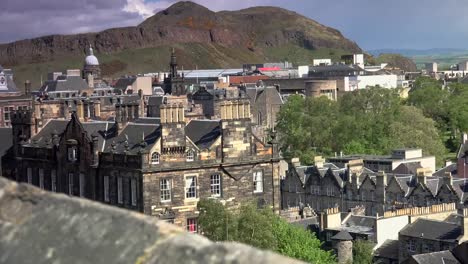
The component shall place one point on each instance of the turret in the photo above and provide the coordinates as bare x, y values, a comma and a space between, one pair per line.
23, 127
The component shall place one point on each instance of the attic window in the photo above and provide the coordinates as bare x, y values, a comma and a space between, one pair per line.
190, 156
155, 158
72, 153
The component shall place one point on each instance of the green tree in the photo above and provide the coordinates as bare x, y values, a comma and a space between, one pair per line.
260, 228
362, 252
299, 243
216, 223
368, 121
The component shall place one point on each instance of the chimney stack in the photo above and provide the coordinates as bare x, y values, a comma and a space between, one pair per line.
27, 87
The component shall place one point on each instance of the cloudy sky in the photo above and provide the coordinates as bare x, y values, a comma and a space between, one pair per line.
373, 24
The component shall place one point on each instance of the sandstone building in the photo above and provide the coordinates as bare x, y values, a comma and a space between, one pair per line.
160, 169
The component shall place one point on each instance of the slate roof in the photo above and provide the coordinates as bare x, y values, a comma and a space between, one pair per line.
203, 133
407, 168
104, 130
389, 250
64, 83
343, 235
156, 100
123, 83
454, 219
133, 138
452, 168
433, 230
460, 186
440, 257
358, 224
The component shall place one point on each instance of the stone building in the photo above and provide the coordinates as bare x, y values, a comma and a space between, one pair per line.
327, 186
158, 169
11, 99
174, 83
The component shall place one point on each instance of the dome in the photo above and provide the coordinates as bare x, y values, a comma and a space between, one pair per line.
91, 60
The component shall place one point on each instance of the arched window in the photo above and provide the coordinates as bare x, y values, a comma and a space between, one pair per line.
190, 155
155, 158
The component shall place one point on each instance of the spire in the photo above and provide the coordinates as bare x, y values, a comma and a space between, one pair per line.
91, 52
173, 64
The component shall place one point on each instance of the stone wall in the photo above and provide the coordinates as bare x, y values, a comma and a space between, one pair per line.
40, 227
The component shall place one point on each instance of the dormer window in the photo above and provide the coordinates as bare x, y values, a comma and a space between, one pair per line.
72, 150
72, 154
190, 156
155, 158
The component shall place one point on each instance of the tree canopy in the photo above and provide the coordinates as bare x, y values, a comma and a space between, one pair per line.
259, 228
368, 121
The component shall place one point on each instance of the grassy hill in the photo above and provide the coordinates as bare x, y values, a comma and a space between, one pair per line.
189, 56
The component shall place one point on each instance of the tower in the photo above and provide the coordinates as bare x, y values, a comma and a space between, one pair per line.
23, 127
343, 246
174, 83
91, 69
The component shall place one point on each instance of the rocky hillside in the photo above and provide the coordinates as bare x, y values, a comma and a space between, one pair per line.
259, 33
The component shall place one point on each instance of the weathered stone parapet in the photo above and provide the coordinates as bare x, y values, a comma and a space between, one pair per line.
41, 227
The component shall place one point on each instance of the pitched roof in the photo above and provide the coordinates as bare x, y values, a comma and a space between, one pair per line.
389, 249
407, 168
64, 83
123, 83
203, 133
440, 257
343, 235
433, 230
134, 137
452, 168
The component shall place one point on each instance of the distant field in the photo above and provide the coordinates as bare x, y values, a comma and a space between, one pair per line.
444, 60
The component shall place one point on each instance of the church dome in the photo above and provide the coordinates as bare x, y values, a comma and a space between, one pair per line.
91, 60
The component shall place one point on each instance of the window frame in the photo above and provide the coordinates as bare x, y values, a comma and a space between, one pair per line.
70, 183
187, 190
120, 199
190, 156
165, 192
72, 153
53, 180
192, 225
216, 185
29, 175
155, 158
106, 188
82, 185
41, 178
133, 191
258, 188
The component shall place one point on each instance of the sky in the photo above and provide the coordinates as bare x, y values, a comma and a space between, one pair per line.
373, 24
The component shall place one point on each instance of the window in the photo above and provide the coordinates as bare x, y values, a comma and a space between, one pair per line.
106, 188
258, 181
330, 191
41, 178
349, 193
72, 154
82, 185
119, 190
411, 245
70, 183
190, 156
7, 114
363, 195
192, 225
165, 189
315, 189
428, 247
215, 185
191, 187
53, 180
155, 158
372, 193
133, 190
29, 174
